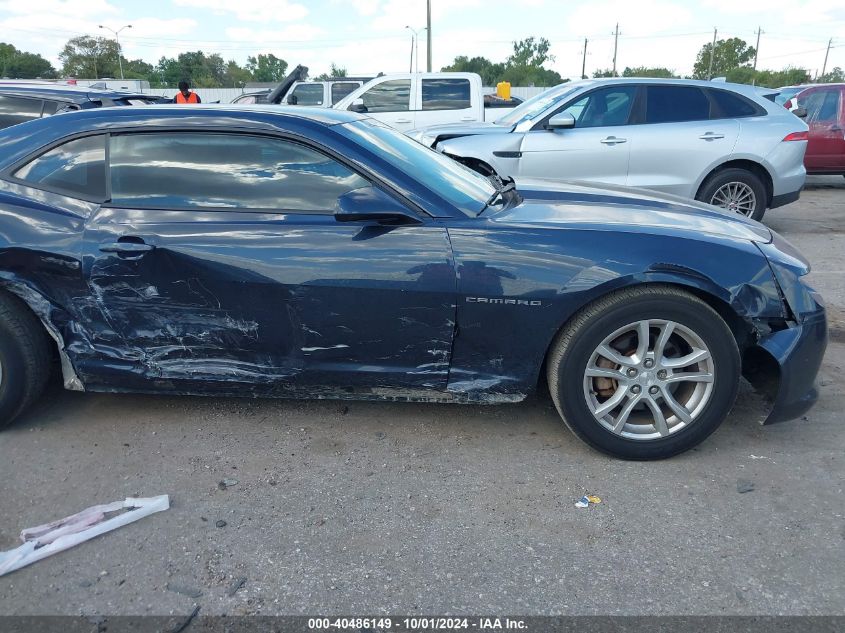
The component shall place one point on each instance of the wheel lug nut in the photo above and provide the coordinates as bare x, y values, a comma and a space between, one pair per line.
632, 372
648, 363
661, 374
635, 389
653, 390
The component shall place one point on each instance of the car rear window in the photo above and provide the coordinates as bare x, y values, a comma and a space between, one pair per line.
76, 168
308, 95
673, 104
342, 88
445, 94
14, 110
728, 105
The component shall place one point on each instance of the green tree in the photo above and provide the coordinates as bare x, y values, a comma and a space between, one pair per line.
768, 78
336, 71
90, 57
17, 64
729, 54
195, 67
137, 69
603, 72
267, 67
834, 76
490, 73
524, 67
235, 76
644, 71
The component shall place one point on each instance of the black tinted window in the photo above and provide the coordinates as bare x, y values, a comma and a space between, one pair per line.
51, 107
341, 89
671, 104
445, 94
77, 168
177, 171
14, 110
729, 105
308, 95
388, 96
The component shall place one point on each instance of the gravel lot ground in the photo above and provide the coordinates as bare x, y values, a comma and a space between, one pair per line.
430, 509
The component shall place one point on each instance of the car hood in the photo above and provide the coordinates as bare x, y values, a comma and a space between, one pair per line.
588, 206
455, 130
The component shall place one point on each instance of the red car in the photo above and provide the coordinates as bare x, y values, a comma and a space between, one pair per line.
825, 107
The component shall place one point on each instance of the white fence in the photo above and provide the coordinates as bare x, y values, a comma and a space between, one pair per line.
227, 95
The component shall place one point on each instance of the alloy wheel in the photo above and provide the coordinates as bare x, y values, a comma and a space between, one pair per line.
649, 379
735, 196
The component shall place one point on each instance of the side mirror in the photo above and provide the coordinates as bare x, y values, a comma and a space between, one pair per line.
561, 122
358, 106
369, 203
292, 100
801, 113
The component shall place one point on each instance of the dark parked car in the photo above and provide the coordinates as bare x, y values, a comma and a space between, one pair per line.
24, 101
825, 106
315, 253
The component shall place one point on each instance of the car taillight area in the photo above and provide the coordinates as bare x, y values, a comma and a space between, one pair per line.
797, 136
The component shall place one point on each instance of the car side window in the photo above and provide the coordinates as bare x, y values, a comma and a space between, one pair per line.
308, 94
603, 107
247, 100
822, 106
76, 168
342, 88
728, 105
14, 110
675, 104
51, 107
388, 96
445, 94
225, 171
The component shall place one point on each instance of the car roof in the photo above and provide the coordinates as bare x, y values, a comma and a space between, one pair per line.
66, 92
743, 88
21, 139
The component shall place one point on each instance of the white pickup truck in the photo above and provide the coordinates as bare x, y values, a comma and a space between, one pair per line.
407, 101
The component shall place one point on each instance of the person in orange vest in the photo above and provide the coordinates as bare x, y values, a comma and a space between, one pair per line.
185, 95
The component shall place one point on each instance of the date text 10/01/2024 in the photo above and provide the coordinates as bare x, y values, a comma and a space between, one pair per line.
417, 623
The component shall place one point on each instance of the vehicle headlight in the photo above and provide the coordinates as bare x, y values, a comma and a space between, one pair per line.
789, 268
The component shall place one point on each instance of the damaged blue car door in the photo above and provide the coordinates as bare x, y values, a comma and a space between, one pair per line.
233, 258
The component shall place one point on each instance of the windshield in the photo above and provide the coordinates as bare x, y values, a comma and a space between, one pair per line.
536, 105
458, 185
786, 94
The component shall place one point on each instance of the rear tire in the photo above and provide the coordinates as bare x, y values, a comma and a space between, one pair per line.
705, 394
25, 359
734, 189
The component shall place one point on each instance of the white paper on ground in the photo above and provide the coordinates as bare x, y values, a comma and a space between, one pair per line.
44, 540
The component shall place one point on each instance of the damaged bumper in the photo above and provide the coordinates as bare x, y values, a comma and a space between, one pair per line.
797, 352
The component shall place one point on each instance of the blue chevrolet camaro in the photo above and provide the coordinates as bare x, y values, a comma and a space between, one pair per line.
320, 254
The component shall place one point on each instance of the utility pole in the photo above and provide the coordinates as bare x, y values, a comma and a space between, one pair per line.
584, 61
428, 35
827, 52
712, 52
757, 48
615, 44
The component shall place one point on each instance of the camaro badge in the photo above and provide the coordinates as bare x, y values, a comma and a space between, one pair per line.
504, 301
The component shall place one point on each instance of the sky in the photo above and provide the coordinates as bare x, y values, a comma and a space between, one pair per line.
369, 36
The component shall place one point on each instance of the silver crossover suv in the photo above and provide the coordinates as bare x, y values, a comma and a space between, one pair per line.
721, 143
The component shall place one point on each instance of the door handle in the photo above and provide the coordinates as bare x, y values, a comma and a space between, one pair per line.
613, 140
128, 248
711, 136
403, 120
467, 118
